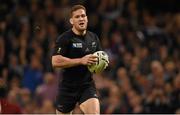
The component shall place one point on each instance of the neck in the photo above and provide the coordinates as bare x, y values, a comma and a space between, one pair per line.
78, 32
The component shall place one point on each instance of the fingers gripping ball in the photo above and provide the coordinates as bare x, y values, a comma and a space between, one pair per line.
101, 64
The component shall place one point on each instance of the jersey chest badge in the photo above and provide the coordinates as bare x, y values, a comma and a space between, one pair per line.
77, 45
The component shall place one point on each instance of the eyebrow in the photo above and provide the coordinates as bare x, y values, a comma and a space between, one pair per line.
83, 15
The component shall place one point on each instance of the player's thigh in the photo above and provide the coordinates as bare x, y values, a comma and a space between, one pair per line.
89, 102
66, 100
90, 106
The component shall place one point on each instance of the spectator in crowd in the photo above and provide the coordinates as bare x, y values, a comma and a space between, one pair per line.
47, 90
6, 106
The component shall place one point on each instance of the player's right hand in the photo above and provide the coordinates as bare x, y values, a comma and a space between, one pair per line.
89, 59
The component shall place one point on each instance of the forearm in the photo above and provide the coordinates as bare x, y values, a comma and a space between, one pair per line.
64, 62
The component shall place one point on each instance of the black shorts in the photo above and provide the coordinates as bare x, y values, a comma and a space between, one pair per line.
69, 95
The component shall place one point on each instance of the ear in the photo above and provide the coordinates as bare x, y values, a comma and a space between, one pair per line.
71, 21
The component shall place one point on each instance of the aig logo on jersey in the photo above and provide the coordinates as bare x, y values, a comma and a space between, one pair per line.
58, 51
77, 45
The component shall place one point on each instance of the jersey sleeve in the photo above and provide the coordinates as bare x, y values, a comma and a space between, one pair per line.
99, 48
61, 46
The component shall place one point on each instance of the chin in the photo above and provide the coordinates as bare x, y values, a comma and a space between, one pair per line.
82, 29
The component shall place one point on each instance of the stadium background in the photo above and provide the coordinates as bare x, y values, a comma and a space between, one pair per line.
142, 38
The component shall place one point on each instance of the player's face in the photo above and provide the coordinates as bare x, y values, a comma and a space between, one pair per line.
79, 20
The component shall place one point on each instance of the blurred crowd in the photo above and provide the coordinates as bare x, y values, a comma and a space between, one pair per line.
142, 41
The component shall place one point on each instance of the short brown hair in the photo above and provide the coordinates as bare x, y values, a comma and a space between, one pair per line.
77, 7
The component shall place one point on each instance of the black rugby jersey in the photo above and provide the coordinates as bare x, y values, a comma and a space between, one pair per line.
75, 46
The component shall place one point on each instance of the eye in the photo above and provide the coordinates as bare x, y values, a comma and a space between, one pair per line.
83, 15
77, 16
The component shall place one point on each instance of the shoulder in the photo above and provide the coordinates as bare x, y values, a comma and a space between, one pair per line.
64, 36
92, 35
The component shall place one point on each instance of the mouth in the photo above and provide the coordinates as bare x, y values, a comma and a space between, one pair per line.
81, 24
